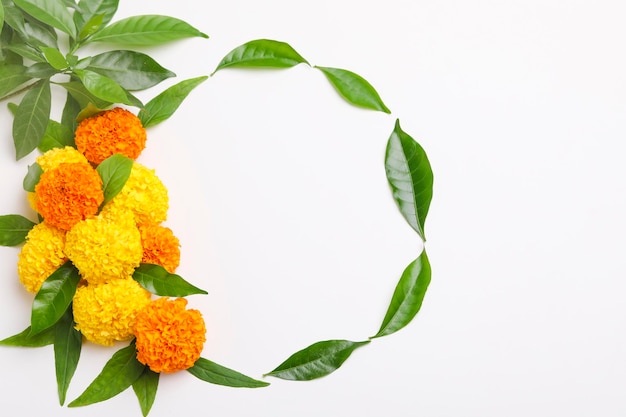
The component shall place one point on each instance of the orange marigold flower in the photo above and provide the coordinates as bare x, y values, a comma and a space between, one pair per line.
110, 132
69, 193
169, 337
160, 246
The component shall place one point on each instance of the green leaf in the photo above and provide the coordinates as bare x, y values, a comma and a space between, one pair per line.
14, 18
84, 97
407, 297
27, 339
70, 112
31, 119
53, 13
32, 178
26, 51
91, 27
41, 70
114, 172
157, 280
316, 361
261, 53
56, 136
13, 229
88, 111
103, 87
410, 177
211, 372
92, 8
1, 16
354, 88
39, 34
11, 77
165, 104
119, 373
55, 58
145, 388
54, 297
132, 70
146, 30
67, 346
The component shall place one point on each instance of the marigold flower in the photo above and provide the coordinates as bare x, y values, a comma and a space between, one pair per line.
105, 247
54, 157
169, 337
110, 132
106, 313
69, 193
41, 255
144, 195
160, 246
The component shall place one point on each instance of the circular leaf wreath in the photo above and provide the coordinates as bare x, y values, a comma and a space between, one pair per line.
31, 62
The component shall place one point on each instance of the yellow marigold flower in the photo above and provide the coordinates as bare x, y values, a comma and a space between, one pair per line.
40, 256
105, 247
110, 132
54, 157
106, 313
69, 193
169, 337
160, 246
144, 195
32, 200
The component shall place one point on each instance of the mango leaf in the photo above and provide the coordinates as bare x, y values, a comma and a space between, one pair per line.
69, 114
54, 297
31, 119
157, 280
145, 388
89, 9
26, 51
316, 361
407, 297
41, 70
27, 339
132, 70
84, 97
146, 30
410, 177
114, 172
103, 87
13, 229
354, 88
67, 346
11, 77
88, 111
91, 27
55, 58
261, 53
53, 13
165, 104
211, 372
56, 136
39, 34
119, 373
14, 18
32, 177
1, 16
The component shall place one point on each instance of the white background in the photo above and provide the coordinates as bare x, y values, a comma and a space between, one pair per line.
279, 197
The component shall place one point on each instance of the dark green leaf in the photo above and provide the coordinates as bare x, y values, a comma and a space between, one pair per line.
31, 119
261, 53
53, 13
407, 297
354, 88
27, 339
114, 172
32, 178
146, 30
13, 229
165, 104
119, 373
410, 177
70, 112
316, 361
54, 297
41, 70
145, 389
55, 58
14, 18
67, 346
92, 8
11, 77
27, 52
56, 136
157, 280
84, 97
12, 108
39, 34
132, 70
211, 372
103, 87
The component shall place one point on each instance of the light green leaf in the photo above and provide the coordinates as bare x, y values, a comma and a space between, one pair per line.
55, 58
11, 77
32, 177
92, 8
1, 16
145, 388
103, 87
410, 177
53, 13
211, 372
67, 346
31, 119
119, 373
54, 297
407, 297
157, 280
13, 229
114, 172
261, 53
354, 88
146, 30
132, 70
165, 104
56, 136
27, 339
316, 361
91, 27
84, 97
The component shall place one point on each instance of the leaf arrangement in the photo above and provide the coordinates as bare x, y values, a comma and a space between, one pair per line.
34, 65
